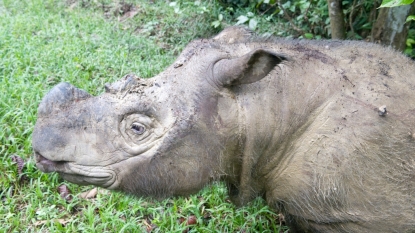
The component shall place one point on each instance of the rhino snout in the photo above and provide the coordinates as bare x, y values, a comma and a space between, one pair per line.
61, 95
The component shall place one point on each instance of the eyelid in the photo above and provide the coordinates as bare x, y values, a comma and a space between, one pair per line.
128, 132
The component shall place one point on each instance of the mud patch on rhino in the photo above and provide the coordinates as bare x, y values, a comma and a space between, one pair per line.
313, 54
384, 68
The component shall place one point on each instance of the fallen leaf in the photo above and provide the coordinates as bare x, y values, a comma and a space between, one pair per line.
20, 165
181, 220
191, 220
128, 15
39, 223
281, 218
62, 221
89, 194
149, 226
65, 192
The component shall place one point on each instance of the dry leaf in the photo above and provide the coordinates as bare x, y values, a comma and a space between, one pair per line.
20, 165
38, 223
65, 192
89, 194
148, 226
128, 15
191, 220
60, 220
181, 220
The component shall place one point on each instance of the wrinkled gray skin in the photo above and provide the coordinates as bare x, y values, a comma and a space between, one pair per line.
301, 123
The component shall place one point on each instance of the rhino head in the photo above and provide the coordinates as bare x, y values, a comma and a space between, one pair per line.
165, 136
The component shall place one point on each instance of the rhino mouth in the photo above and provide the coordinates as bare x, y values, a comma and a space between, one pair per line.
78, 174
47, 166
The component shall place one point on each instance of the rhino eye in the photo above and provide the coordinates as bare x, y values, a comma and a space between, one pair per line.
138, 128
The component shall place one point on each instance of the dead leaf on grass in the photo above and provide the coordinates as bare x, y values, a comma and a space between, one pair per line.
20, 165
62, 221
149, 226
65, 192
39, 223
128, 15
89, 194
191, 220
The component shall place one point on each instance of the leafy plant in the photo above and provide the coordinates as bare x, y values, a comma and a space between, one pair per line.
248, 18
395, 3
410, 43
217, 23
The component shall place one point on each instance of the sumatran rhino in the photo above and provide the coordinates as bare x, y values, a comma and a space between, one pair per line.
323, 130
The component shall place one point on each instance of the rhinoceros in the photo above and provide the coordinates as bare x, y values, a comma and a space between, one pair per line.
324, 131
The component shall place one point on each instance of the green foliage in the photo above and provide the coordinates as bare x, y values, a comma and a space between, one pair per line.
298, 18
289, 18
395, 3
249, 19
240, 3
410, 43
301, 18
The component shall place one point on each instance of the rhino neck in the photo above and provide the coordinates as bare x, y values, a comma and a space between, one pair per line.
272, 113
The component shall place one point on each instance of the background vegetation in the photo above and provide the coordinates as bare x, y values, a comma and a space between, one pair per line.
92, 42
311, 19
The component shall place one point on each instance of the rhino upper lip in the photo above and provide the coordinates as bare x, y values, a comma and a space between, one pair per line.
46, 165
105, 177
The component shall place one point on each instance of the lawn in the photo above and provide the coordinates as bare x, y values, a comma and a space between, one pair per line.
90, 43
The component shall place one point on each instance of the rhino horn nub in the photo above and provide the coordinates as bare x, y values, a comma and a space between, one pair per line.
122, 85
61, 95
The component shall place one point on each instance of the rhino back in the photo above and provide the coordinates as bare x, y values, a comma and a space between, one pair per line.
321, 146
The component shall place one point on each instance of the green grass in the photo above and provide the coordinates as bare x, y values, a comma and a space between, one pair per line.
46, 42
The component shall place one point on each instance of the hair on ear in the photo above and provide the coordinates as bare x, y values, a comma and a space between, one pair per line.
234, 34
246, 69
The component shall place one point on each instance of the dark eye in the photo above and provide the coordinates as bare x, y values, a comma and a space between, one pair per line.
138, 128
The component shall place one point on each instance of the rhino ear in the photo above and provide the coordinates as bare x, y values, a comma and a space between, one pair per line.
246, 69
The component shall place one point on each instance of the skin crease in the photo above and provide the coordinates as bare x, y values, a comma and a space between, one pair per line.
323, 130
